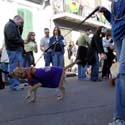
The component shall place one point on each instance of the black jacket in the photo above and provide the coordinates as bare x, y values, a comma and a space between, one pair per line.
82, 55
13, 40
95, 47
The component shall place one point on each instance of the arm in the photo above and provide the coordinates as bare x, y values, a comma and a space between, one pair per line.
35, 48
42, 45
98, 43
106, 13
61, 40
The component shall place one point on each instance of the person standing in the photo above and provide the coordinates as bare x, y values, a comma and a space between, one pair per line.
4, 60
83, 43
117, 19
44, 44
95, 52
30, 46
14, 46
72, 51
58, 43
108, 50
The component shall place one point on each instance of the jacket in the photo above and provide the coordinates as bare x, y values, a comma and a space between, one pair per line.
13, 40
95, 47
59, 42
117, 19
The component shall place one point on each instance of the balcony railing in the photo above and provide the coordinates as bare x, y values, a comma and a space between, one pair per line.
81, 11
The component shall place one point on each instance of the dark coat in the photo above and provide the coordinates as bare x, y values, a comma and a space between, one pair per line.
95, 47
59, 44
82, 55
13, 40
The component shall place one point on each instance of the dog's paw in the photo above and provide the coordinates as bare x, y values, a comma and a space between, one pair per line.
32, 100
62, 93
60, 97
28, 96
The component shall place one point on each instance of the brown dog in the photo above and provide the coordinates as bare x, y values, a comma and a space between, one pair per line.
51, 77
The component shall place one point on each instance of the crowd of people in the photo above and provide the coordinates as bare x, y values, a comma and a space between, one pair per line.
91, 53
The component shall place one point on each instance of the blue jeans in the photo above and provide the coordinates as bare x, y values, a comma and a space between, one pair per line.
4, 66
95, 68
25, 63
14, 58
81, 71
119, 111
48, 58
58, 59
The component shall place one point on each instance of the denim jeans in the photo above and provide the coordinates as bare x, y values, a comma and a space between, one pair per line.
25, 63
4, 66
58, 59
95, 68
48, 58
14, 58
119, 111
81, 71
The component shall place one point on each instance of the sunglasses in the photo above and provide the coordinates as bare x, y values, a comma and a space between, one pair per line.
33, 35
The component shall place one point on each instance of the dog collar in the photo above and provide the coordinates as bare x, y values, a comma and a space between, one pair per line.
28, 74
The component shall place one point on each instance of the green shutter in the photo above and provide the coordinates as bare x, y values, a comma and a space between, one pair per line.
28, 21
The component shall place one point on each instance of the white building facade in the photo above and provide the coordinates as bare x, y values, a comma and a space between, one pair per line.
39, 14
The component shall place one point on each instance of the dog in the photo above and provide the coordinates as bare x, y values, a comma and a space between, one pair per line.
50, 77
114, 73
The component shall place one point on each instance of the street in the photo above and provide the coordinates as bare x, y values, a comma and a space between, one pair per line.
85, 103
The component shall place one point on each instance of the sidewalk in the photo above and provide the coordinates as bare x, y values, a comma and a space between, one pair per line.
85, 103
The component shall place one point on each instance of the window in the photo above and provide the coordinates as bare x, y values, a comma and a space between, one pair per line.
28, 21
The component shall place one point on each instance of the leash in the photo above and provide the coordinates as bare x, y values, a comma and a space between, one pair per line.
94, 11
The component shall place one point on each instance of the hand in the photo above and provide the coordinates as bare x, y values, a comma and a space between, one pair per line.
54, 43
101, 9
102, 56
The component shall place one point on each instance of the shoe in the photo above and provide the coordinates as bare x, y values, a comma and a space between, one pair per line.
26, 84
85, 78
17, 88
117, 122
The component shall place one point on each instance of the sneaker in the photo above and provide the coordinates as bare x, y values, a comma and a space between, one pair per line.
117, 122
26, 84
17, 88
85, 78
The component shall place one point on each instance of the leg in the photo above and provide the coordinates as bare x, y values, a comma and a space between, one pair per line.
79, 71
83, 71
46, 58
29, 93
120, 81
14, 58
61, 59
34, 90
55, 59
104, 69
95, 69
61, 86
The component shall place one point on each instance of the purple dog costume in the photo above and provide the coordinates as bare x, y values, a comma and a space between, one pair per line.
49, 76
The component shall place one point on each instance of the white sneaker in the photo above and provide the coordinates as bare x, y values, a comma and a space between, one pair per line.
117, 122
17, 88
